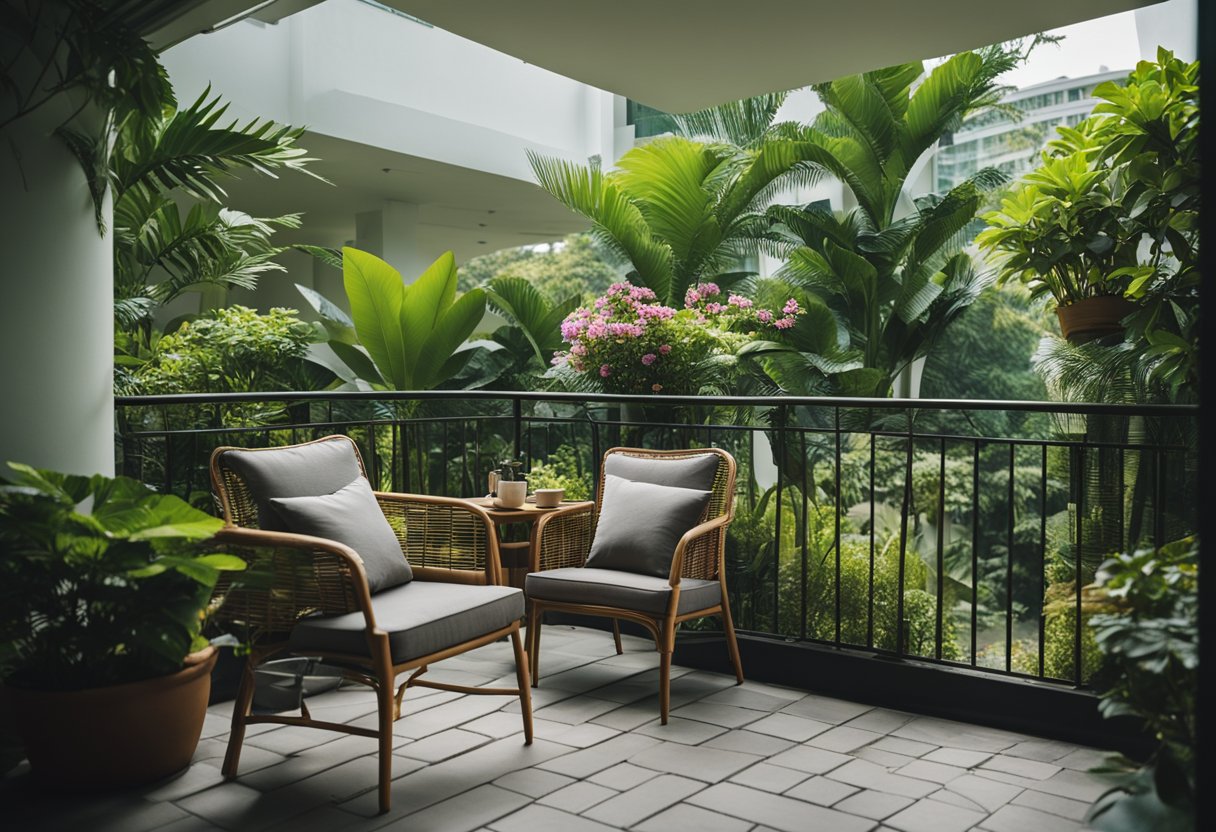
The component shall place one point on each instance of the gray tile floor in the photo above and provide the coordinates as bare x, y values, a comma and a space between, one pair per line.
754, 757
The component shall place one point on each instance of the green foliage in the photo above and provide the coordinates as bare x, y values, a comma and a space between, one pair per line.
572, 267
997, 335
562, 469
99, 584
894, 283
628, 342
1151, 641
156, 161
400, 337
234, 349
1150, 644
1114, 210
679, 212
533, 333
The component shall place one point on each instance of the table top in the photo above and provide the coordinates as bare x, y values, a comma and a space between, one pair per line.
528, 511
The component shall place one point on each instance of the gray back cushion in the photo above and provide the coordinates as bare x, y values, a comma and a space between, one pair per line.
692, 472
352, 516
300, 471
640, 524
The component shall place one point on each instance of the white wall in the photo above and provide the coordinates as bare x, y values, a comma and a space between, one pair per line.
354, 71
56, 323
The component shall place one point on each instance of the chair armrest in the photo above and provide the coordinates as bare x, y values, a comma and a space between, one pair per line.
443, 533
699, 549
563, 537
289, 576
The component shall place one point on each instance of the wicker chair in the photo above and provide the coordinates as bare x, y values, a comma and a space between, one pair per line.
451, 546
564, 540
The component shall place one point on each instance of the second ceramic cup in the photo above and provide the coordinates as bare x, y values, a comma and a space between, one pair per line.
511, 493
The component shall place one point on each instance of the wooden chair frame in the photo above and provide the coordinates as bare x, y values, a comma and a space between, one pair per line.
320, 575
700, 553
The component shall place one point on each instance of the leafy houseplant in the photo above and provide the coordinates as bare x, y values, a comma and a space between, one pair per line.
1112, 213
1150, 643
102, 598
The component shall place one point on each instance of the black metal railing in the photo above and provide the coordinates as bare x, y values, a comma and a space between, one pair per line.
955, 533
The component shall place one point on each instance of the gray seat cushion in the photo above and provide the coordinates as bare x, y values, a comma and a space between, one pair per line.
421, 617
352, 516
691, 472
298, 471
640, 524
626, 590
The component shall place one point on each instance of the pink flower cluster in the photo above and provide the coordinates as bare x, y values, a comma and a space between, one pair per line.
738, 307
623, 313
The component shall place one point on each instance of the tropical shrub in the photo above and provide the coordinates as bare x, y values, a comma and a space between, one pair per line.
561, 469
399, 337
631, 343
234, 349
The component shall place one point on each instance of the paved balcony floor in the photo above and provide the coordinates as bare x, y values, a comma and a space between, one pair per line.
733, 758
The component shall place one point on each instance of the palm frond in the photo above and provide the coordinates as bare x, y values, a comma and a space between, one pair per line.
618, 224
744, 123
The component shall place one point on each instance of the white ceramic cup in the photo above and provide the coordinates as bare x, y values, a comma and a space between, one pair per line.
549, 497
511, 493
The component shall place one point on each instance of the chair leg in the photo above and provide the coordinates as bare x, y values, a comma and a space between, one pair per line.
521, 678
240, 710
664, 684
534, 624
667, 645
732, 645
616, 635
385, 700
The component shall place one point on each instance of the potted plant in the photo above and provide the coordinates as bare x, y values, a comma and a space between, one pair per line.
103, 592
1108, 224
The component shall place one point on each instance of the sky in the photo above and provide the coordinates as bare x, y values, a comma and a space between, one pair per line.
1106, 42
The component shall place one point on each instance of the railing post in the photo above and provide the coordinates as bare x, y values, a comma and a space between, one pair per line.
517, 415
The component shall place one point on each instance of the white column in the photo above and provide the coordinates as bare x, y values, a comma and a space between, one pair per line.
56, 306
391, 233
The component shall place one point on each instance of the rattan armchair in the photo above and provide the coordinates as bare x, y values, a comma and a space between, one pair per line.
297, 580
564, 539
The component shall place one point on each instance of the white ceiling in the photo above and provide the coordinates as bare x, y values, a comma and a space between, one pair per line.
459, 207
681, 55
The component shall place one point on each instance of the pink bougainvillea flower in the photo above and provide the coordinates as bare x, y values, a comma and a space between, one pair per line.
764, 316
791, 307
665, 349
605, 371
740, 302
784, 323
649, 358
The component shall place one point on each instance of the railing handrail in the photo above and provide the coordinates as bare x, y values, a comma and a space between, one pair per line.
1078, 408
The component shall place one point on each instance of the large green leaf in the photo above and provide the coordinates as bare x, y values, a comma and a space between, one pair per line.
357, 360
454, 326
377, 296
426, 301
337, 323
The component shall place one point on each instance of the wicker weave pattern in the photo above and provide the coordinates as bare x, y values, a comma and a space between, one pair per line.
280, 585
566, 540
436, 535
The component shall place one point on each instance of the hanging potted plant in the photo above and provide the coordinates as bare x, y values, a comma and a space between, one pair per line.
1060, 233
1108, 224
103, 591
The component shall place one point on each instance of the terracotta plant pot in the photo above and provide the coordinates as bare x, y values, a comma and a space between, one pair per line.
1093, 317
116, 736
